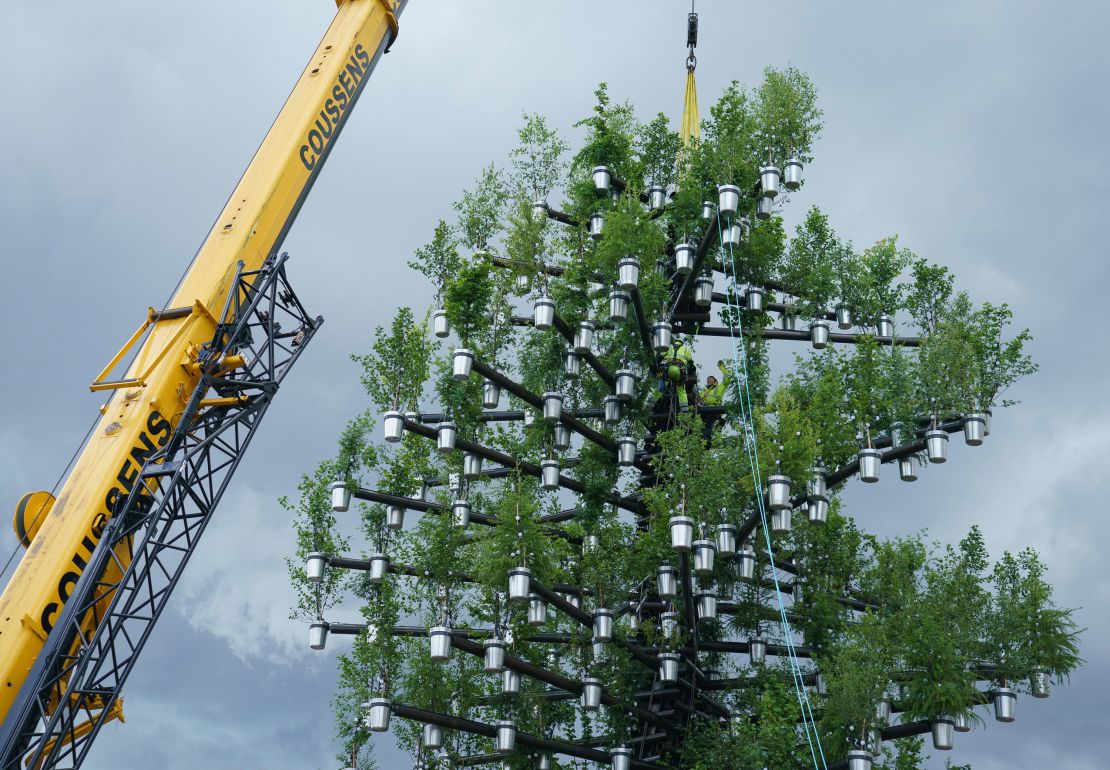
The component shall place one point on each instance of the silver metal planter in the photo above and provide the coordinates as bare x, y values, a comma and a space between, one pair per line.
626, 384
792, 178
819, 334
318, 635
379, 567
907, 468
764, 208
869, 462
682, 532
769, 179
726, 540
817, 510
591, 693
883, 710
446, 433
668, 667
505, 736
975, 426
778, 492
510, 682
584, 337
543, 313
620, 758
661, 335
732, 235
562, 437
432, 736
603, 625
780, 521
463, 363
340, 496
378, 711
1005, 702
843, 317
602, 177
757, 650
885, 326
597, 224
753, 299
552, 407
705, 555
628, 273
1040, 684
549, 470
491, 395
684, 258
612, 409
788, 319
539, 210
859, 759
668, 624
439, 643
798, 589
573, 366
440, 326
708, 210
707, 605
460, 510
817, 486
657, 197
520, 581
961, 722
626, 452
494, 661
703, 291
942, 729
314, 566
393, 423
394, 517
537, 611
728, 200
667, 582
472, 466
745, 563
618, 304
543, 762
936, 445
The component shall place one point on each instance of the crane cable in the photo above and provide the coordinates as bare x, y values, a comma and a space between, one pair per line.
747, 422
690, 129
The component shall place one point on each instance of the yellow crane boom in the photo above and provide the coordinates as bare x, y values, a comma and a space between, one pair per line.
148, 402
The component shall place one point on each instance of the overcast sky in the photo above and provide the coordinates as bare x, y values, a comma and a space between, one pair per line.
973, 129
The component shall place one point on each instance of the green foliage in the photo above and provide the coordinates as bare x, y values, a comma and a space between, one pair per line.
480, 210
394, 372
537, 163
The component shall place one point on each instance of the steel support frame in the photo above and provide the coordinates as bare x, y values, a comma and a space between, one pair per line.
158, 528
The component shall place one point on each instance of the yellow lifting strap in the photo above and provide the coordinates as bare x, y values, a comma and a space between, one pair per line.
690, 128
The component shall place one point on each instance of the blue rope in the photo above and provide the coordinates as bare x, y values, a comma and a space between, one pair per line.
747, 423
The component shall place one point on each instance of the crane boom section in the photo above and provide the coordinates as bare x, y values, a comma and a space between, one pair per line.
145, 404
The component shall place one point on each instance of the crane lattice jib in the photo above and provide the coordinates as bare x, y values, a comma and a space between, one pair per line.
172, 354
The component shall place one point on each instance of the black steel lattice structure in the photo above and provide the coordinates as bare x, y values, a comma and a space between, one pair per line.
76, 682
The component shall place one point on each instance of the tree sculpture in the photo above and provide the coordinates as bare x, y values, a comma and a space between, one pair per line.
568, 563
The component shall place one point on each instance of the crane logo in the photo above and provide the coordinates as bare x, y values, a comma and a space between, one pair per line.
343, 94
156, 426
